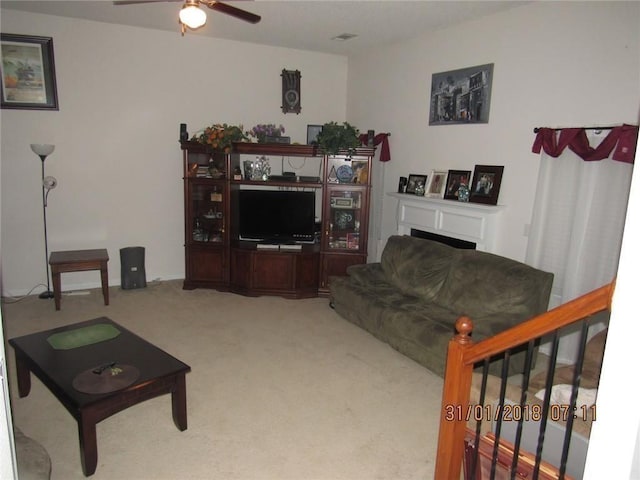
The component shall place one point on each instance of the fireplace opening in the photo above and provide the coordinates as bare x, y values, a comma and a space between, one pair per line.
453, 242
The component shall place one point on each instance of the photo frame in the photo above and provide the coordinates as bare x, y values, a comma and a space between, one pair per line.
413, 182
28, 73
312, 134
461, 96
485, 187
454, 179
437, 184
344, 219
360, 171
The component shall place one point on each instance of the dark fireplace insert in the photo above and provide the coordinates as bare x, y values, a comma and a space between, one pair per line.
454, 242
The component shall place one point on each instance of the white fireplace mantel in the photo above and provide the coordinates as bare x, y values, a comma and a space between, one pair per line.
472, 222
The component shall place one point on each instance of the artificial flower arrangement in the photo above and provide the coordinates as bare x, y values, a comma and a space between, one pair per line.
220, 136
264, 130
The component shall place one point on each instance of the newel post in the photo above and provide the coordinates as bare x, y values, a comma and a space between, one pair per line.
455, 401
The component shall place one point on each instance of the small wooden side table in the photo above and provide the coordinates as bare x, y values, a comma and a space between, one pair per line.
79, 261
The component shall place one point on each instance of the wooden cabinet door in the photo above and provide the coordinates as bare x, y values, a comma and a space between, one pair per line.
273, 271
240, 268
336, 264
205, 265
206, 210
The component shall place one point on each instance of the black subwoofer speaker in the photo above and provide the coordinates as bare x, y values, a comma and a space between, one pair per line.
132, 271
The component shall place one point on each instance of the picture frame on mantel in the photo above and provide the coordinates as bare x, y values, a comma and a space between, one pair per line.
28, 73
485, 186
437, 184
414, 181
456, 178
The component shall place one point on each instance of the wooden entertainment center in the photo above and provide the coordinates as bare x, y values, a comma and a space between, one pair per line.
216, 257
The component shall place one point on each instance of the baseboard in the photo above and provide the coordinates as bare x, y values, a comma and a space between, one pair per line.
71, 287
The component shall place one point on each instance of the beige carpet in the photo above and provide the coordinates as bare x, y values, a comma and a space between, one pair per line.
279, 389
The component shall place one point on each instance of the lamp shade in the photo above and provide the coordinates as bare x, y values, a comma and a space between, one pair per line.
42, 149
192, 16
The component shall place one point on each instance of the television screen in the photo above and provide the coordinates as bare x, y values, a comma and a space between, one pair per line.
276, 215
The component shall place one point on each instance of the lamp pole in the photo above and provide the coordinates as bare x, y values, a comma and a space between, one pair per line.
48, 293
43, 151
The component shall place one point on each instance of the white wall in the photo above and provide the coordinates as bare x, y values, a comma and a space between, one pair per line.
556, 64
123, 92
623, 424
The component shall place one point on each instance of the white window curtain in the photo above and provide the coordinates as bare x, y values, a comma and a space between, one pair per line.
382, 156
577, 225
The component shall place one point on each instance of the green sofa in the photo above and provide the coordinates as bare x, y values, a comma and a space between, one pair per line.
412, 298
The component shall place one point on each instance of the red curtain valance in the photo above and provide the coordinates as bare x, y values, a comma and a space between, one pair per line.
623, 138
385, 153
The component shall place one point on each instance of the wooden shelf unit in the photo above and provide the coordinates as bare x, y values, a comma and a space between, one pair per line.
216, 258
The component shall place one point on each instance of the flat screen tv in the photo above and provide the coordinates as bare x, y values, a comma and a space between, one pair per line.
277, 216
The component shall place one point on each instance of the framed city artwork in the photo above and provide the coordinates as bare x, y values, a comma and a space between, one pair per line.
456, 178
485, 186
461, 96
28, 72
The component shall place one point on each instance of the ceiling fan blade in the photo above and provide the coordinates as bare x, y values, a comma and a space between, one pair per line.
133, 2
233, 11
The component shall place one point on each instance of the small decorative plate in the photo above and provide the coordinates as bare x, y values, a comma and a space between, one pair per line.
345, 174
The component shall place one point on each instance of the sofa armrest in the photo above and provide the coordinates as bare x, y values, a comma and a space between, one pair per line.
484, 284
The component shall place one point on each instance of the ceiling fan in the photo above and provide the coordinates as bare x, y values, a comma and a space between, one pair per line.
191, 16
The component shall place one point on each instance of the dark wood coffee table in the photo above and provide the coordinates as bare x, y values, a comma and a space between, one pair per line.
159, 373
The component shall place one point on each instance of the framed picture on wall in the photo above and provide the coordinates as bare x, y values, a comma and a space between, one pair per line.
456, 178
461, 96
414, 181
436, 185
28, 72
486, 184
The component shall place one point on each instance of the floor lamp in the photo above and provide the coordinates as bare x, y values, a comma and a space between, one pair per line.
43, 151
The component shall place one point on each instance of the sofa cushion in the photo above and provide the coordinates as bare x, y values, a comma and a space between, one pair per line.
417, 266
481, 283
368, 274
419, 336
363, 304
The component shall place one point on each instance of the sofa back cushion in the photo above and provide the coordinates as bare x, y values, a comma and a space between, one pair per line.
417, 266
482, 283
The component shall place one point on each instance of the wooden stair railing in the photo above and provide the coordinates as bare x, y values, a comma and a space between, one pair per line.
463, 353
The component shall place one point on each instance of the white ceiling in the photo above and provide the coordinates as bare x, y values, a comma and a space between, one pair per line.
300, 24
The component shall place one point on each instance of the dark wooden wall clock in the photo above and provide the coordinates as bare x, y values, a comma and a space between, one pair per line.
291, 91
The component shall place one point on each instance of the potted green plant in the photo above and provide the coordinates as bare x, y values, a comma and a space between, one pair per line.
335, 138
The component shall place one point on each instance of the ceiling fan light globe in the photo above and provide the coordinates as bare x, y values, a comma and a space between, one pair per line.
192, 16
42, 149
